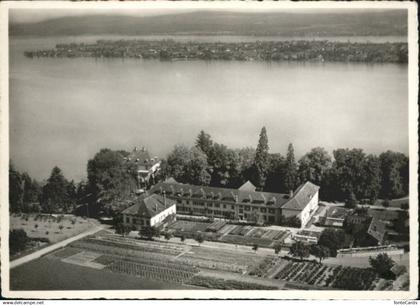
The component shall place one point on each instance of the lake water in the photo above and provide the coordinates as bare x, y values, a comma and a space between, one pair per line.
62, 111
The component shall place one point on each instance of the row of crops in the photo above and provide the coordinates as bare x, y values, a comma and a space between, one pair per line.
339, 277
173, 274
216, 283
191, 260
116, 250
134, 245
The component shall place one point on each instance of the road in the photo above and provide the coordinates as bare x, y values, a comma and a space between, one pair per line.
63, 243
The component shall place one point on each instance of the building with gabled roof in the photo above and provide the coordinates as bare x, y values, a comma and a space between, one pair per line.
377, 230
149, 210
146, 167
247, 186
243, 204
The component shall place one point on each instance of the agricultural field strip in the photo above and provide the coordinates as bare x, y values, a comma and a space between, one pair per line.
151, 272
161, 247
322, 275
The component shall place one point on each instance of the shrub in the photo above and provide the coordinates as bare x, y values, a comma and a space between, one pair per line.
382, 265
17, 241
386, 203
168, 236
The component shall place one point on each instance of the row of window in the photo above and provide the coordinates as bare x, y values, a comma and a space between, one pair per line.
227, 206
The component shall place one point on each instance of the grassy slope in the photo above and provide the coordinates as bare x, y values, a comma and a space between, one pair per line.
286, 24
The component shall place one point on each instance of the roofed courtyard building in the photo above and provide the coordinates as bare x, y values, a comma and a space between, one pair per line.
243, 204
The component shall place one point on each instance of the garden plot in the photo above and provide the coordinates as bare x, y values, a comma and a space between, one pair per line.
315, 274
245, 240
190, 226
226, 229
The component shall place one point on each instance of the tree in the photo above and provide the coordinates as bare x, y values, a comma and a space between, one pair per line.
168, 235
351, 201
199, 238
17, 241
204, 142
15, 190
382, 265
276, 173
372, 178
224, 166
400, 224
176, 162
278, 247
111, 178
122, 229
299, 249
55, 197
196, 171
394, 168
31, 191
349, 169
332, 239
313, 165
149, 232
261, 160
255, 247
320, 252
188, 165
291, 178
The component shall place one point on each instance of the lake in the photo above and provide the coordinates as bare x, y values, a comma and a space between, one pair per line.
62, 111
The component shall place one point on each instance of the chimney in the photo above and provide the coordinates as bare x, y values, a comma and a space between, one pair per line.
155, 207
291, 193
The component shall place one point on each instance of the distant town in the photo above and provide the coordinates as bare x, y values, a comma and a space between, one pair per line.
299, 50
214, 217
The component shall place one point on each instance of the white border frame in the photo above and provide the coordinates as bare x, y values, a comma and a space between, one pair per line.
217, 294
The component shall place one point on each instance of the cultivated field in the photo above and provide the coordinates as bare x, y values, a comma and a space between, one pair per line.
181, 266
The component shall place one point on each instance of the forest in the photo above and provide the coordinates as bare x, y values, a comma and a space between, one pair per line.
348, 175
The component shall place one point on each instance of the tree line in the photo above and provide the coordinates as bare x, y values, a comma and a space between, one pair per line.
349, 175
55, 195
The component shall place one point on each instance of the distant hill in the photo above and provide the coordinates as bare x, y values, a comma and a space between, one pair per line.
375, 23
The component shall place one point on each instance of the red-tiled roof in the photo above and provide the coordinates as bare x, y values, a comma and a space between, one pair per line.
149, 206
